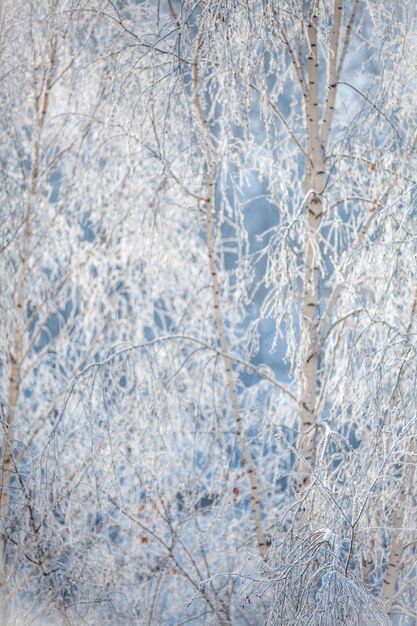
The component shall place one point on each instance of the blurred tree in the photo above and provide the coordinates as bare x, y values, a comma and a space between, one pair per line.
177, 177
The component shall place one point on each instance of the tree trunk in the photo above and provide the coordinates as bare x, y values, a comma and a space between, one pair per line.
313, 185
215, 289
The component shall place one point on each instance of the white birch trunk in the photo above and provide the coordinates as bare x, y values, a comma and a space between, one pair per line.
16, 355
12, 400
215, 288
313, 184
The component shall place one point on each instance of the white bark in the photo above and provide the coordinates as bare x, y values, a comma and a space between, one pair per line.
313, 185
216, 295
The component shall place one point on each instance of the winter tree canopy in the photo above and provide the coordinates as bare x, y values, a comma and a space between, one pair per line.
208, 312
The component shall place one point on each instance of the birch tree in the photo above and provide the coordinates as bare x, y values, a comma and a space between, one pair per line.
208, 328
